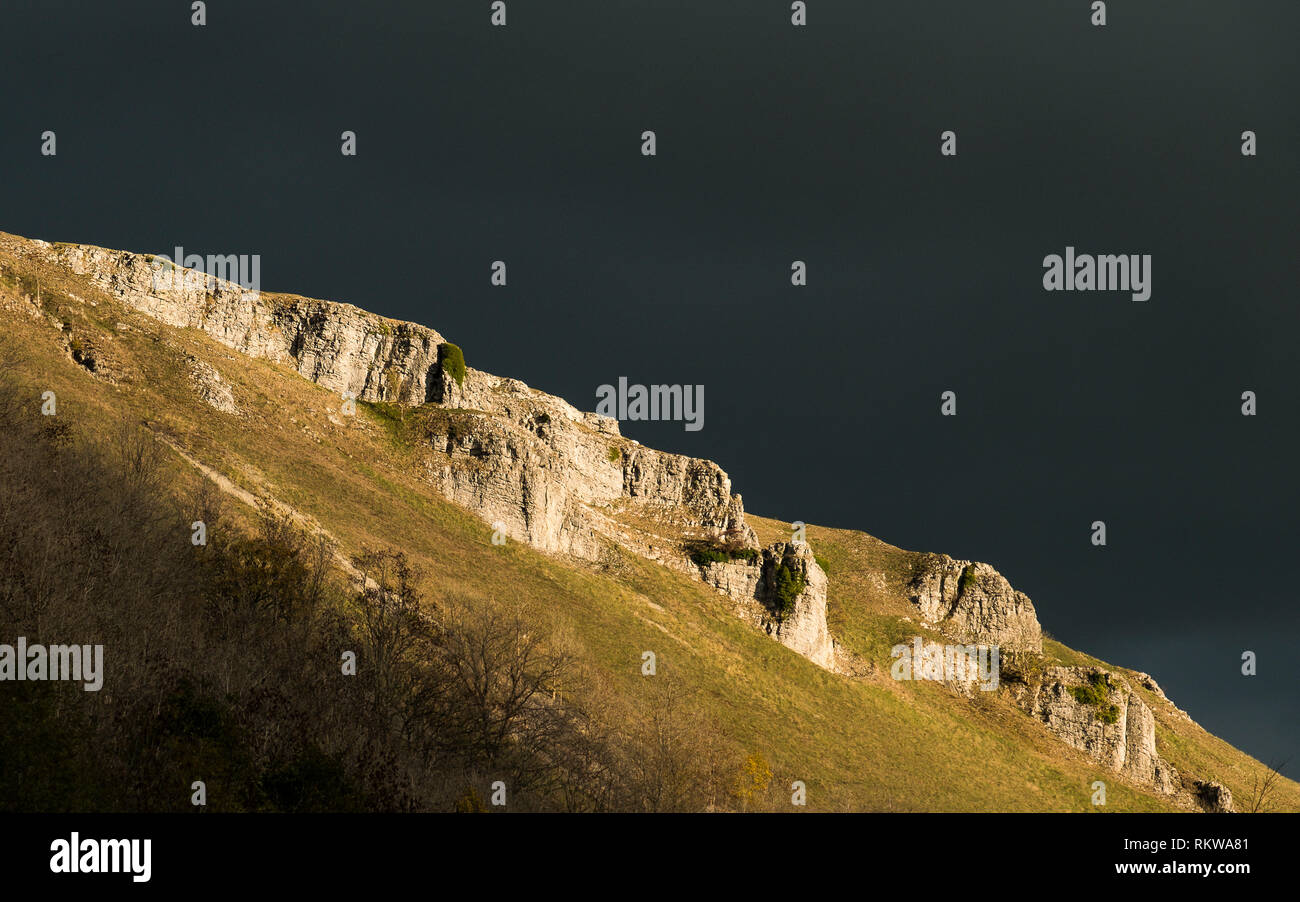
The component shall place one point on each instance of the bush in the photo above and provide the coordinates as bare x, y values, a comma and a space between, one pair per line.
753, 781
967, 580
704, 553
1025, 668
452, 361
705, 556
789, 586
1097, 694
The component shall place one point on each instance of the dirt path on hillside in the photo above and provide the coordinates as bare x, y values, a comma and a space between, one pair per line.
304, 522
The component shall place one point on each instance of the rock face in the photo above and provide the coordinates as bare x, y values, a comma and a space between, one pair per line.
528, 463
558, 478
783, 592
338, 346
209, 385
1097, 712
566, 481
1214, 797
1146, 681
974, 603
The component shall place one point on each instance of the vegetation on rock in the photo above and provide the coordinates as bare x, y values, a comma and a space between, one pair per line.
789, 585
1097, 695
705, 553
452, 361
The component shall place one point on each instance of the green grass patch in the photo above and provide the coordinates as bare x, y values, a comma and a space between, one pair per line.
870, 744
392, 417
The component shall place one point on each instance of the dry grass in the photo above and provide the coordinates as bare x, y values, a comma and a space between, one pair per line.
869, 744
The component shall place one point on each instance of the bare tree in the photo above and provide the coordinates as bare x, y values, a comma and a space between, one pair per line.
501, 677
396, 636
674, 758
1263, 787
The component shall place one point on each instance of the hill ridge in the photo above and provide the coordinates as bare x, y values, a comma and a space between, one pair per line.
566, 482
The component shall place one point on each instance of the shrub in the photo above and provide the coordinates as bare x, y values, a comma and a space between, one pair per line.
238, 681
703, 554
1097, 694
753, 781
967, 580
789, 586
452, 361
1022, 667
615, 455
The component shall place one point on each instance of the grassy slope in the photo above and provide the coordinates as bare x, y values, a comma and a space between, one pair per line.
868, 603
872, 744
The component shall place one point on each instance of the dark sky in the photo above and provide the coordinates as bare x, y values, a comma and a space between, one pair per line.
775, 144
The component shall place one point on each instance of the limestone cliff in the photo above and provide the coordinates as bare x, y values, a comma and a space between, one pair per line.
566, 481
528, 463
783, 592
1090, 708
1097, 712
336, 345
974, 603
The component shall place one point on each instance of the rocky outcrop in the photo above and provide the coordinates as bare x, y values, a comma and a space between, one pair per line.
963, 669
566, 481
1214, 797
562, 481
211, 388
512, 454
1097, 712
783, 592
974, 603
1146, 681
339, 346
558, 478
530, 464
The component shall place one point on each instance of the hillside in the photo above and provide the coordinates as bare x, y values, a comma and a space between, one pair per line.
770, 653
